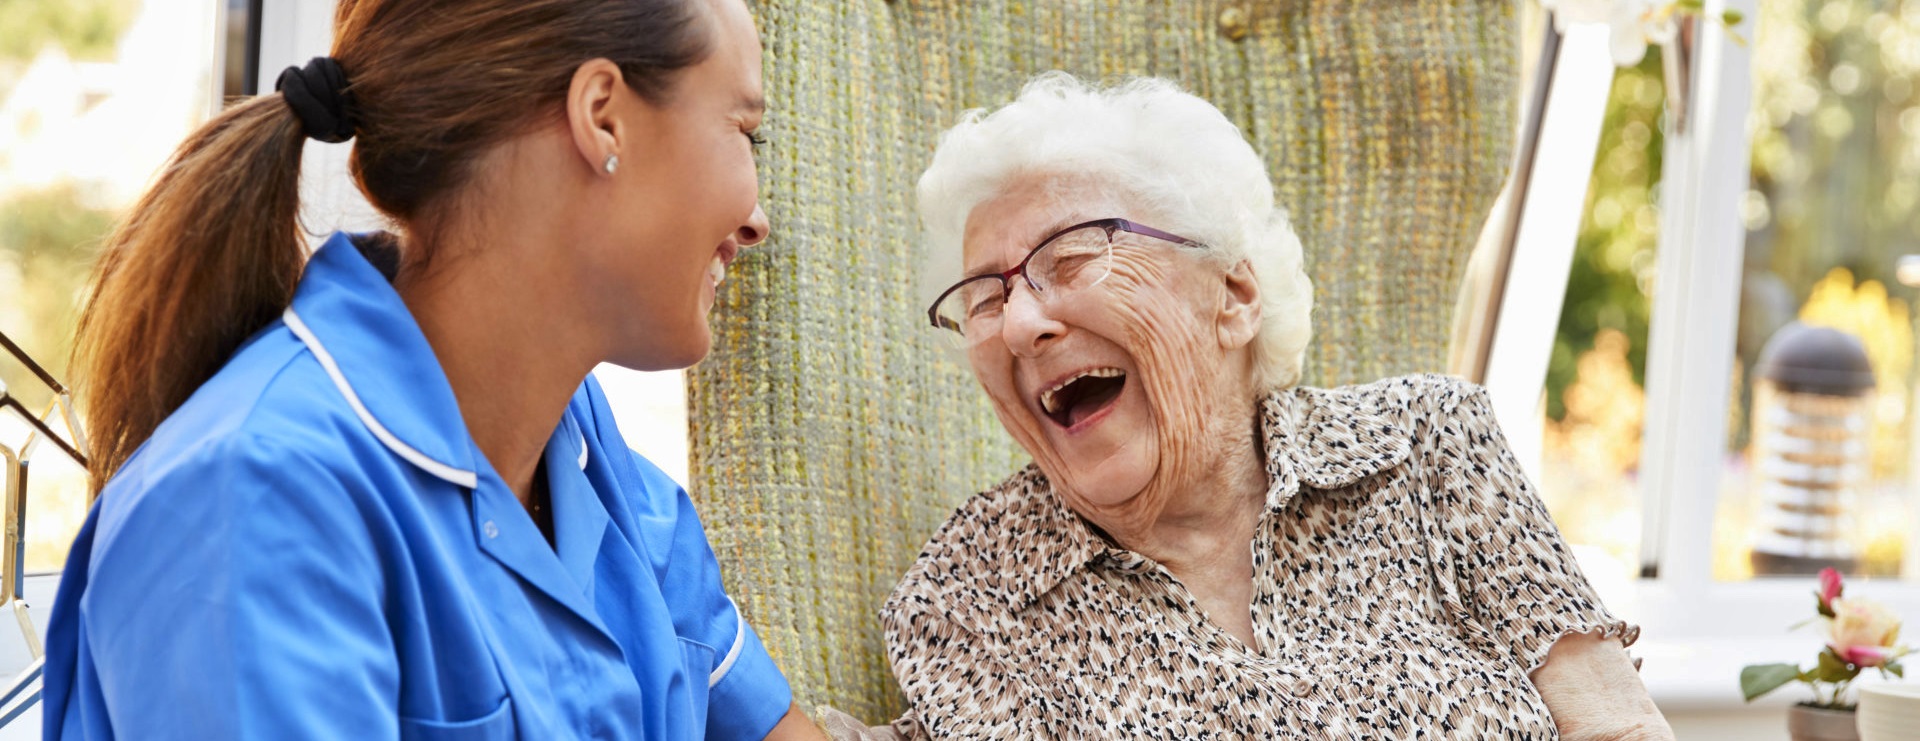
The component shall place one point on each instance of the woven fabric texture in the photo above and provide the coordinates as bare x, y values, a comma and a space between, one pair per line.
831, 432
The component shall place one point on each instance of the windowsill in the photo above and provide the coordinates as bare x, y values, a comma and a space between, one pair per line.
1694, 647
1704, 674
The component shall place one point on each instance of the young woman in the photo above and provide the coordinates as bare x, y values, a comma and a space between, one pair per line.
372, 492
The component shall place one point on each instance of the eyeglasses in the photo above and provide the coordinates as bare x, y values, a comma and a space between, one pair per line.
1075, 258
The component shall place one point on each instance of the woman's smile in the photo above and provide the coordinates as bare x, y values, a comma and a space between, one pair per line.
1081, 399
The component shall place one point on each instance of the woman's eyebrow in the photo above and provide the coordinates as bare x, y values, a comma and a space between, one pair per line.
1051, 229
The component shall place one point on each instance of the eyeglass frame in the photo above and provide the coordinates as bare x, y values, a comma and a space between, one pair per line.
1110, 224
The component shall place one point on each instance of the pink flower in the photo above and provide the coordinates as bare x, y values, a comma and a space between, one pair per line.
1829, 587
1862, 656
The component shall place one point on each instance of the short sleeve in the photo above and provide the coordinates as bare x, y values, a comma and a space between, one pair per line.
1516, 577
747, 694
239, 597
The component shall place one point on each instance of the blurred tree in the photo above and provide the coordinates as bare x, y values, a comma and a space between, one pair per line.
1611, 279
86, 29
47, 242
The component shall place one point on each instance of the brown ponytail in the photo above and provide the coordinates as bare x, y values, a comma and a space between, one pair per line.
208, 256
212, 252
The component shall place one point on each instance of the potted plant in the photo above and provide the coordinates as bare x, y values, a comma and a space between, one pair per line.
1861, 635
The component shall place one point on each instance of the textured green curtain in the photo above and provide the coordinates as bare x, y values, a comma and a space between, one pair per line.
831, 435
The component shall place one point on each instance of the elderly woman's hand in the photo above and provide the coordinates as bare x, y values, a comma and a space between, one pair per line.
1590, 685
843, 727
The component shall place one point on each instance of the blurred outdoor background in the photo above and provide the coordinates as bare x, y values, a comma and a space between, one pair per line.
94, 94
1831, 207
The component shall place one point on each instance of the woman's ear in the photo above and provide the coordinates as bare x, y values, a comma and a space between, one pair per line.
597, 133
1239, 318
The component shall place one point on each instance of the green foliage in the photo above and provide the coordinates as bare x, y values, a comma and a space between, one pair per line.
86, 29
1832, 669
47, 242
1612, 270
1759, 679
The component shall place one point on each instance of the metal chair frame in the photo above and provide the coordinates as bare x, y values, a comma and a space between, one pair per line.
22, 693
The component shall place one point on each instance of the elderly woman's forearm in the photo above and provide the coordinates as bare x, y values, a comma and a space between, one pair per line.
1594, 693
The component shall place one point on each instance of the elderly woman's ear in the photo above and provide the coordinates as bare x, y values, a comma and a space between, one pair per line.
1239, 319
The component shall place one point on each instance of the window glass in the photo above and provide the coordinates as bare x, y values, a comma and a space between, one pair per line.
1590, 439
94, 95
1819, 451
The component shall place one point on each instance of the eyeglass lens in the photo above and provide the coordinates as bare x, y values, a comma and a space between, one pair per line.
1070, 261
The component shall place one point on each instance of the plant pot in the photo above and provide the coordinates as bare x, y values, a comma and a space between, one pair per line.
1809, 723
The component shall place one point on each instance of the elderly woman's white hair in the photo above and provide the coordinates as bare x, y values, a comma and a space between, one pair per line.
1150, 142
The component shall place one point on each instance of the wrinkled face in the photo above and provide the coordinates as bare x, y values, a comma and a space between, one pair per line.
1109, 388
689, 196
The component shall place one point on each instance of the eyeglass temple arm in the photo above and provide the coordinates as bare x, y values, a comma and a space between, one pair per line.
1145, 230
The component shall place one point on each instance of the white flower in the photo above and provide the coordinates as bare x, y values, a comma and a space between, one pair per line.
1633, 24
1862, 632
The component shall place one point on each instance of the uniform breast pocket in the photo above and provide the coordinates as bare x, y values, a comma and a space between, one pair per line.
494, 726
697, 659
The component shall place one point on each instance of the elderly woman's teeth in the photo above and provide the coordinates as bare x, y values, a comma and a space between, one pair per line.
1053, 402
717, 270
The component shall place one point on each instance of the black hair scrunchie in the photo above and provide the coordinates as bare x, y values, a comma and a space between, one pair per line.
318, 95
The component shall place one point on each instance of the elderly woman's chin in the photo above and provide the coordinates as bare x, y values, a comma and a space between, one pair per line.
1103, 451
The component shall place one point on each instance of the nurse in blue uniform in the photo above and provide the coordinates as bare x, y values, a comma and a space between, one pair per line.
372, 492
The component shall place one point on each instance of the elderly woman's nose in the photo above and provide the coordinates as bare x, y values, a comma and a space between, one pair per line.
755, 230
1026, 325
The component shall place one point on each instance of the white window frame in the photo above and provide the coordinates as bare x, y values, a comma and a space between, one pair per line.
1697, 632
1696, 309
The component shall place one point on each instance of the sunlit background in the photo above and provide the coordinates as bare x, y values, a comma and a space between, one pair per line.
94, 94
1835, 132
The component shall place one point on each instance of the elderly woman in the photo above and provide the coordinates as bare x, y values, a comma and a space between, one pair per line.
1203, 548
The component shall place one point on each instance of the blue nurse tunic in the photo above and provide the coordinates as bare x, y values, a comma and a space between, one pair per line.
312, 547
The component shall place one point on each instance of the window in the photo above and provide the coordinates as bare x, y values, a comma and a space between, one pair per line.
94, 95
1818, 470
1637, 418
1788, 195
1595, 401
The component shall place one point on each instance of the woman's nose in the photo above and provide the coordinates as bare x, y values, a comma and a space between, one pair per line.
755, 230
1026, 325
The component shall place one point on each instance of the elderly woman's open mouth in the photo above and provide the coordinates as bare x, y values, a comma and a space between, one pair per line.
1078, 397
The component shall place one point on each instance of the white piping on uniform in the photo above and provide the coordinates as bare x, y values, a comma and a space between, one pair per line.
733, 654
453, 475
583, 451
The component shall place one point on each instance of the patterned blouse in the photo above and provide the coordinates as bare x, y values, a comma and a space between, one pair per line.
1407, 579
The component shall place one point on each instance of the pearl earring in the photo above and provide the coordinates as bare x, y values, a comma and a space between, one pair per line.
613, 163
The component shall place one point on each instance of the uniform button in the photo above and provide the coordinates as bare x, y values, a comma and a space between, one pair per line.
1302, 688
492, 530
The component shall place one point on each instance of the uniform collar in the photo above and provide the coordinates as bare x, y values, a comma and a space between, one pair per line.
1325, 439
348, 315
